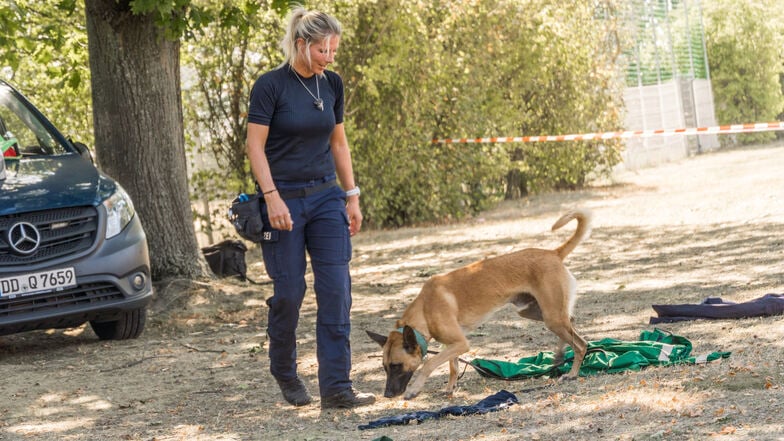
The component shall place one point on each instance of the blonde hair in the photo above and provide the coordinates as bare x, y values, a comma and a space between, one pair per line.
312, 27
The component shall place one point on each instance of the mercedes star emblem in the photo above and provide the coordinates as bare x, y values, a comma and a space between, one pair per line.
24, 238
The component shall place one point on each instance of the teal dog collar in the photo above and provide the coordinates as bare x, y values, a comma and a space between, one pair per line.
420, 340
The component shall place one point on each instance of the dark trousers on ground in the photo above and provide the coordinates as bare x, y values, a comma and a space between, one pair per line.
321, 231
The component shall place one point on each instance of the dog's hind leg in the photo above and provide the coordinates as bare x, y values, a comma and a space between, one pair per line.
558, 319
565, 330
569, 336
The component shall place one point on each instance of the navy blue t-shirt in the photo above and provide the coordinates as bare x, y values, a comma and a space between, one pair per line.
297, 147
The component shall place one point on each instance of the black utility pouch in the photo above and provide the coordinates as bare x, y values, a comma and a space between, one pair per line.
245, 215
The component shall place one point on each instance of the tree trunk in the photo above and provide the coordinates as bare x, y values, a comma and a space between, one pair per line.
516, 180
516, 185
139, 139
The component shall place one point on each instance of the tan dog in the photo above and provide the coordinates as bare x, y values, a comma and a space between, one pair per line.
533, 280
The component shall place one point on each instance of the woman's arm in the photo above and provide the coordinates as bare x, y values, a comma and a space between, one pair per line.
277, 210
342, 155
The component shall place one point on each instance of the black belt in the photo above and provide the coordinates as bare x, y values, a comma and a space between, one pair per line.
306, 191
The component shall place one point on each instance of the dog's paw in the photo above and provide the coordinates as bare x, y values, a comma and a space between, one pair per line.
410, 395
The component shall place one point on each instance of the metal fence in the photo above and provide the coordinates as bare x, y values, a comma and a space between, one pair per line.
667, 78
668, 41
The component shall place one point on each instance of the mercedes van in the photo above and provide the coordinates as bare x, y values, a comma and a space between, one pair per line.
72, 249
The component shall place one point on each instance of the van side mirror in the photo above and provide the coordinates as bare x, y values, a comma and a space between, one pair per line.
84, 151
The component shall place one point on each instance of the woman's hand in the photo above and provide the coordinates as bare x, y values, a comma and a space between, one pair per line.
278, 212
354, 215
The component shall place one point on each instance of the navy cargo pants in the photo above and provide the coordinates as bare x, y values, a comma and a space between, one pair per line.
321, 230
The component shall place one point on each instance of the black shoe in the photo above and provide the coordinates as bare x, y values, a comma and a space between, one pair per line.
347, 399
295, 392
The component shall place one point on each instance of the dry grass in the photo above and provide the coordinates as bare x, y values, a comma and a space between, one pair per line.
712, 225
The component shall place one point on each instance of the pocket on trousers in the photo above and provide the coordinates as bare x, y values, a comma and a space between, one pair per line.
269, 236
347, 248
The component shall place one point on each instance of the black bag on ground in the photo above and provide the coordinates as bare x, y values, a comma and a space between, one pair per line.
227, 258
245, 215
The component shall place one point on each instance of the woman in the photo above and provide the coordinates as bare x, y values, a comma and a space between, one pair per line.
297, 148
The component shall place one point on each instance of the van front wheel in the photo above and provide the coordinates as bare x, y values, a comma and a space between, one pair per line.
129, 325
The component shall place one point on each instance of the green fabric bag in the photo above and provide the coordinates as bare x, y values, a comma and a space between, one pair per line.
654, 348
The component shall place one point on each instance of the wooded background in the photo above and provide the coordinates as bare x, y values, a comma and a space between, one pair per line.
157, 86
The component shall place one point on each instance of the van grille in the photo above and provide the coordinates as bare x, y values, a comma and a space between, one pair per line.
63, 231
82, 295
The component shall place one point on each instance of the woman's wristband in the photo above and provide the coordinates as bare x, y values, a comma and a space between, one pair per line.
270, 191
353, 192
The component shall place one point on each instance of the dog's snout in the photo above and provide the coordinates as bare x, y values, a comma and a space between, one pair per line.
397, 383
393, 391
390, 394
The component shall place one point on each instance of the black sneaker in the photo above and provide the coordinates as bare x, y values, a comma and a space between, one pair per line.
295, 392
347, 399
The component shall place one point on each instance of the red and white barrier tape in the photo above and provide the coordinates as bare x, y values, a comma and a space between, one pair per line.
734, 128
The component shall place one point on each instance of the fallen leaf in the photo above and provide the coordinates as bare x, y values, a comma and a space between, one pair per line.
728, 430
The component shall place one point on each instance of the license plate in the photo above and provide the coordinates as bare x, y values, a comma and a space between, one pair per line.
37, 282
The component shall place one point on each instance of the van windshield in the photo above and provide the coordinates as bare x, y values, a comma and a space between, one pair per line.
22, 133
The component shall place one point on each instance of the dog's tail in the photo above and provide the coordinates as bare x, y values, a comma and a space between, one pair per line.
583, 217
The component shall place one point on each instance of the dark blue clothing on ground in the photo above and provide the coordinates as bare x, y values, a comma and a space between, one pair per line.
297, 147
497, 401
716, 308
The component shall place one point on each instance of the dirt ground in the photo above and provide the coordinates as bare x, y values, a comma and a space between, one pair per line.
708, 226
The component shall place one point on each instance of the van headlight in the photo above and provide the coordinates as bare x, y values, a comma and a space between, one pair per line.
119, 210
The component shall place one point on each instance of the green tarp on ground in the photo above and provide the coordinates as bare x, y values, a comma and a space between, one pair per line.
654, 348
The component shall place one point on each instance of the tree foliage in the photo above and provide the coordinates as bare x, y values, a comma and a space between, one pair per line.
217, 81
414, 71
47, 60
425, 70
745, 41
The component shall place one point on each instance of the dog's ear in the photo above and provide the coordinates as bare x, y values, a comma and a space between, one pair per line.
378, 338
410, 343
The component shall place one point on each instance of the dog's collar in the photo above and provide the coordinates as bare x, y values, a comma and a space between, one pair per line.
420, 340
